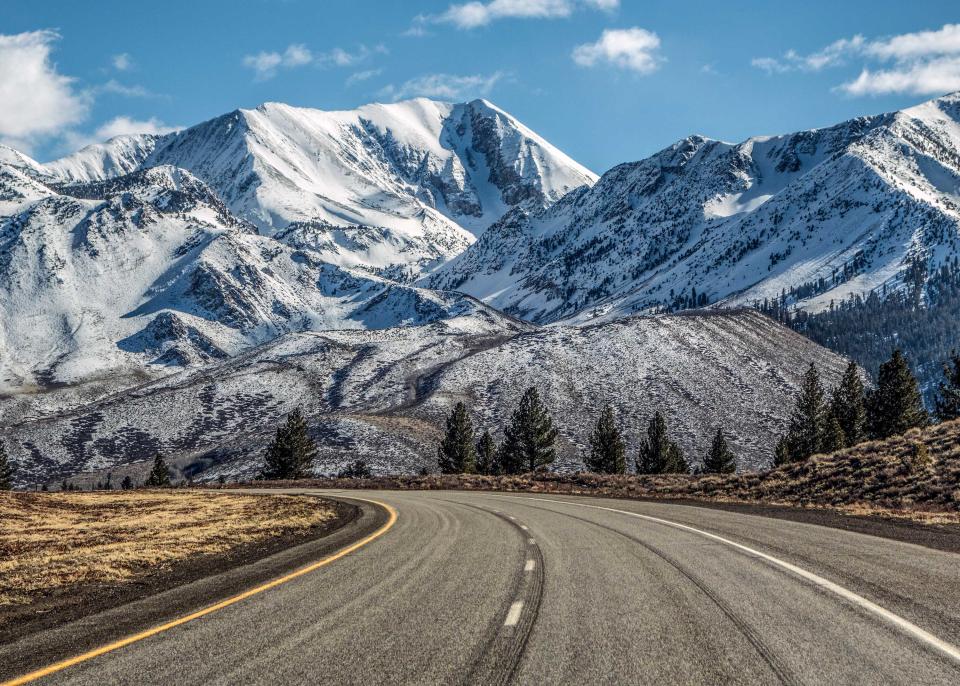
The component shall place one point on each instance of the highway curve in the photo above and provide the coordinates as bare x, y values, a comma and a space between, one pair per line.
499, 588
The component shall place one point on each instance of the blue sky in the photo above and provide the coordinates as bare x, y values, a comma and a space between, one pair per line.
606, 81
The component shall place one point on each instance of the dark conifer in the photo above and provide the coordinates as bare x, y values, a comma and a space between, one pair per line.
6, 470
834, 438
528, 440
808, 423
657, 453
291, 454
948, 390
159, 476
486, 454
456, 453
127, 483
847, 405
607, 450
720, 459
896, 404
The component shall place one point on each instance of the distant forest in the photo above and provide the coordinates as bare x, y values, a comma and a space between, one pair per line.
922, 319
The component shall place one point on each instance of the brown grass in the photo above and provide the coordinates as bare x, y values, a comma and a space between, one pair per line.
50, 541
915, 476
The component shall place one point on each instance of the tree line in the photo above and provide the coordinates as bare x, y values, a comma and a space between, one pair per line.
529, 445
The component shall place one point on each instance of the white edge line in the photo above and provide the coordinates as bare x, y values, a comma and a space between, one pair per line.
904, 625
513, 616
529, 566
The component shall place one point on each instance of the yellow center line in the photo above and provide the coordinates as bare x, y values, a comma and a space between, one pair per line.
116, 645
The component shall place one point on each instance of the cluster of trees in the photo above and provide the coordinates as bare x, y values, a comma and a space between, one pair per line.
530, 436
6, 470
922, 319
851, 414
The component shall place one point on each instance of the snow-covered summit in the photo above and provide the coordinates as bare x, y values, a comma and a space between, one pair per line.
817, 214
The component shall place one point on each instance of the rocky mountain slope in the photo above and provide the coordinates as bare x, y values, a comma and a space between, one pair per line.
815, 216
383, 395
397, 187
151, 270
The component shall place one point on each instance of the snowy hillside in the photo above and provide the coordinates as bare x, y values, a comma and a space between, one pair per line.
151, 270
383, 395
818, 214
420, 178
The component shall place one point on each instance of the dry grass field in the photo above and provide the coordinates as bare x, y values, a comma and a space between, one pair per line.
50, 542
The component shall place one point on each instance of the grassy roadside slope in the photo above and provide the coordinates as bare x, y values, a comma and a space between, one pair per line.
51, 543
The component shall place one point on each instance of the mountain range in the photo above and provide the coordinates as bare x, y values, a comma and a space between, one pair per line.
149, 259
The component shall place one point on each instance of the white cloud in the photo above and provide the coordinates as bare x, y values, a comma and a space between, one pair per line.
365, 75
444, 86
117, 88
635, 49
266, 64
37, 101
118, 126
929, 77
122, 62
920, 63
470, 15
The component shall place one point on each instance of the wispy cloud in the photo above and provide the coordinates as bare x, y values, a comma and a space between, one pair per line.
471, 15
122, 62
134, 91
635, 49
38, 101
444, 86
265, 65
364, 75
920, 63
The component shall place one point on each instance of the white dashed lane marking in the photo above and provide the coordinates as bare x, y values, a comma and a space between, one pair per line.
513, 616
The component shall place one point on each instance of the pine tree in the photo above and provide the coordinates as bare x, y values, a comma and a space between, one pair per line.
291, 454
126, 484
896, 404
781, 455
948, 390
528, 440
834, 438
808, 424
657, 453
456, 453
847, 405
486, 454
159, 476
6, 470
720, 459
607, 450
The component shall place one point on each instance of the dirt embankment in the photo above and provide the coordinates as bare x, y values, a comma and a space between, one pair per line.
67, 555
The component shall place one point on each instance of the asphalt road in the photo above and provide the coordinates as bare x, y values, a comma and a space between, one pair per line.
495, 588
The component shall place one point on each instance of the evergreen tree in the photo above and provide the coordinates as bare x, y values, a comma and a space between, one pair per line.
356, 470
781, 455
808, 424
6, 470
607, 450
127, 483
486, 454
528, 440
658, 454
720, 459
847, 405
291, 454
948, 390
834, 438
159, 476
456, 453
896, 404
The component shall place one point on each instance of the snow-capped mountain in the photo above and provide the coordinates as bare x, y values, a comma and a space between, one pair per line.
398, 187
152, 270
817, 215
383, 395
